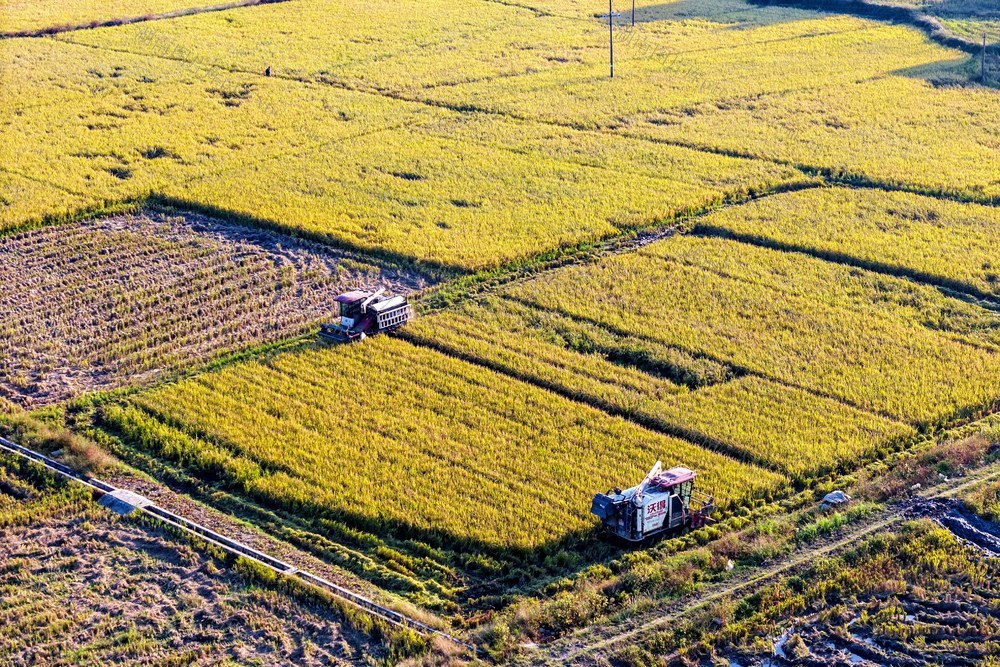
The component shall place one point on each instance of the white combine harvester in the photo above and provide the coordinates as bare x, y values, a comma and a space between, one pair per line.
364, 314
664, 501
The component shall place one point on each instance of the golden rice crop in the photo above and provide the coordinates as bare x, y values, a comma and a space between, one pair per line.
412, 46
868, 357
24, 199
28, 15
786, 428
371, 44
499, 337
396, 435
897, 129
149, 122
518, 190
936, 240
340, 166
900, 299
788, 58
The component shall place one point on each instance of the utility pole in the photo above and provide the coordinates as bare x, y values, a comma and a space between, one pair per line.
633, 13
983, 65
611, 38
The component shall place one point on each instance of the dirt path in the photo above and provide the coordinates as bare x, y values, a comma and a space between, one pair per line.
585, 646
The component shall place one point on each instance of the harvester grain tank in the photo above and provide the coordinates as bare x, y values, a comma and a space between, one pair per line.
665, 500
364, 314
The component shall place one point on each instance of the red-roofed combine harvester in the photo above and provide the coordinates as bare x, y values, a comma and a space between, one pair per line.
664, 501
364, 314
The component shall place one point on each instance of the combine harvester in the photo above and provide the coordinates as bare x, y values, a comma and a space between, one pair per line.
661, 503
364, 314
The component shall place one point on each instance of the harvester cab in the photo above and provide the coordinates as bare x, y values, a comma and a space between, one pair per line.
364, 314
665, 500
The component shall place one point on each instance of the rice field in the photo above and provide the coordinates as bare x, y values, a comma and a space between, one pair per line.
765, 249
31, 15
450, 448
126, 300
933, 240
702, 296
359, 171
750, 417
518, 190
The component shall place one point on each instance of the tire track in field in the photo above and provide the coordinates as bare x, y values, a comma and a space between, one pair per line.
577, 647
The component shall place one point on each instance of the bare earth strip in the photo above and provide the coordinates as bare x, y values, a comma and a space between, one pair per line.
123, 300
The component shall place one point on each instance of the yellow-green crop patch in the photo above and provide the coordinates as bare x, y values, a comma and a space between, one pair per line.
358, 169
23, 199
940, 241
690, 293
898, 129
370, 44
783, 427
31, 15
396, 435
119, 126
439, 193
779, 60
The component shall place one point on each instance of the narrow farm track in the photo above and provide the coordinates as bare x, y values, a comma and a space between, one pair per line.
586, 646
127, 20
239, 549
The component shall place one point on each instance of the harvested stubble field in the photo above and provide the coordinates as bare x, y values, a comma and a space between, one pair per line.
915, 596
124, 300
79, 585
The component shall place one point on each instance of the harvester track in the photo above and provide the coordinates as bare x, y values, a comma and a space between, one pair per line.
234, 547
